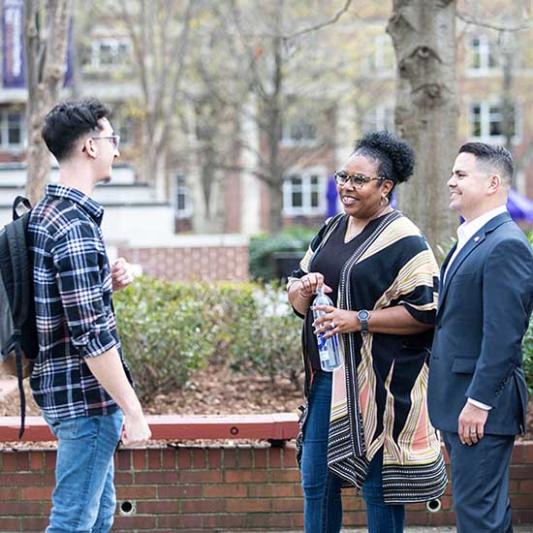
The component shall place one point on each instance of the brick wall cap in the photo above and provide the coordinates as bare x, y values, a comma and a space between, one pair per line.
274, 426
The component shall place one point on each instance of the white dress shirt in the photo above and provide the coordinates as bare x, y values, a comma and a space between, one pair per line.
464, 233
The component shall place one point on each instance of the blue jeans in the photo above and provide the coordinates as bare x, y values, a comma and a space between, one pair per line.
84, 496
322, 488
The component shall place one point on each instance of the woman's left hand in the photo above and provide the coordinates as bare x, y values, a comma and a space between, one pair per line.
335, 321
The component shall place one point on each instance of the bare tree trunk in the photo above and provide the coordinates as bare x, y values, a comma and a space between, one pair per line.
46, 30
423, 34
159, 32
508, 51
274, 121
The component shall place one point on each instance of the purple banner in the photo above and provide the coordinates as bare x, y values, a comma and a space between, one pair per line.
69, 60
14, 62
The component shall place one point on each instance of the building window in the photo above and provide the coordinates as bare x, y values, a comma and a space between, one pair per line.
299, 131
482, 54
124, 125
110, 53
184, 206
380, 60
379, 118
486, 121
304, 192
11, 129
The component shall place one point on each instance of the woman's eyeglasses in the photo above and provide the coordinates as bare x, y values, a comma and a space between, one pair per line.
357, 180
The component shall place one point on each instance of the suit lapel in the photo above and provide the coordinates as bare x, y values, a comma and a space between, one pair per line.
467, 249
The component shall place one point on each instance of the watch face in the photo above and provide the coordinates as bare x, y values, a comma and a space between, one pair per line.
363, 314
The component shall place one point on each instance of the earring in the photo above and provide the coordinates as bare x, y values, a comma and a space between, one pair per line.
385, 200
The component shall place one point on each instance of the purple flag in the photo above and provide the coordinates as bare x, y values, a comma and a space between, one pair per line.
520, 207
69, 67
14, 62
331, 197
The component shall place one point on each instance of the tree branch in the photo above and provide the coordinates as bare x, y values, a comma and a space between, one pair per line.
317, 27
483, 24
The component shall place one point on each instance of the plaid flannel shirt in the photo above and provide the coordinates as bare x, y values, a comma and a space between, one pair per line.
73, 289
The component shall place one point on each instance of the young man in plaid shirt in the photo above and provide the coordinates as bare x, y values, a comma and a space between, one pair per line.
80, 380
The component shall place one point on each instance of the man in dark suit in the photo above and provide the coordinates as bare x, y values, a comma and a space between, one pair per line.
477, 393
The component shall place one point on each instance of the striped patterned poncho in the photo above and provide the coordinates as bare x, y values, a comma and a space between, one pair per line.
379, 394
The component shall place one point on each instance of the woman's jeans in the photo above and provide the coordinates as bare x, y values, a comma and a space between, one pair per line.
84, 496
322, 488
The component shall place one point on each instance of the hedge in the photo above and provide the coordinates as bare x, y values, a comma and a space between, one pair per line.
169, 330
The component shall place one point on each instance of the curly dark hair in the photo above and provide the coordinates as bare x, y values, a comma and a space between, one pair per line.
395, 157
69, 121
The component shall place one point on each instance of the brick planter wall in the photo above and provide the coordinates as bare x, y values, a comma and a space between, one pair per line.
208, 263
223, 488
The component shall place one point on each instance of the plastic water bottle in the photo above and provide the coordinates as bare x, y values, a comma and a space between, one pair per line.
328, 349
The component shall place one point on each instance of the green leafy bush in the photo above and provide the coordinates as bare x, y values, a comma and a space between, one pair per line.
264, 247
168, 330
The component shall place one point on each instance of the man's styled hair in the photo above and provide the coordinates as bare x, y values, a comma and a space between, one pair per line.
68, 121
496, 157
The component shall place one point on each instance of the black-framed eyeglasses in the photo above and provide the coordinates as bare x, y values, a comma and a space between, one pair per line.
115, 140
357, 180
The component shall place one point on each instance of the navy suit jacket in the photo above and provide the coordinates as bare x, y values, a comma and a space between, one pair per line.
484, 309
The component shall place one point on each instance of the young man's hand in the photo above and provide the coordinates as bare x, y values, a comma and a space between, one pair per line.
136, 431
121, 274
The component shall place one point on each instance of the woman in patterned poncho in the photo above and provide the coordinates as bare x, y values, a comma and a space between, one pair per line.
366, 423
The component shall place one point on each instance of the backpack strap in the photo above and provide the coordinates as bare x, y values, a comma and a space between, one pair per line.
21, 205
18, 248
22, 396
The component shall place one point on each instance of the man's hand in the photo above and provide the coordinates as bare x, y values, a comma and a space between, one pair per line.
471, 424
121, 274
136, 431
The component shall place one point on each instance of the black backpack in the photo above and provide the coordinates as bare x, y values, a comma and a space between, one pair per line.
19, 345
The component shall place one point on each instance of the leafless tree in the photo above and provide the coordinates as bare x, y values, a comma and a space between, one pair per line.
423, 34
46, 31
159, 33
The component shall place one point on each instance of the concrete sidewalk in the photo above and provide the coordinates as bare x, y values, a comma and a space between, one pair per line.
435, 529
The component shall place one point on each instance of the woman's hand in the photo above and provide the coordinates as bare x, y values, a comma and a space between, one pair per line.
336, 321
311, 283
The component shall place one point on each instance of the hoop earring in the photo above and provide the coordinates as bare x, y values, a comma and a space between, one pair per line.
385, 200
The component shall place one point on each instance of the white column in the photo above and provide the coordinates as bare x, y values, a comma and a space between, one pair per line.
250, 184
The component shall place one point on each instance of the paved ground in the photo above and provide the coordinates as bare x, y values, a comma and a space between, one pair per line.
417, 529
7, 385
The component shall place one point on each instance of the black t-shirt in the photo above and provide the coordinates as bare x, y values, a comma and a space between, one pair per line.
329, 261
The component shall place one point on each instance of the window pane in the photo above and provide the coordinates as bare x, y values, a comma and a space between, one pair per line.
14, 125
106, 54
314, 181
181, 201
297, 199
495, 121
475, 120
476, 53
296, 182
315, 199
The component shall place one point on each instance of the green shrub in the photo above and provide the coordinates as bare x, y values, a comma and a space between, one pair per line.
263, 247
162, 333
168, 330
